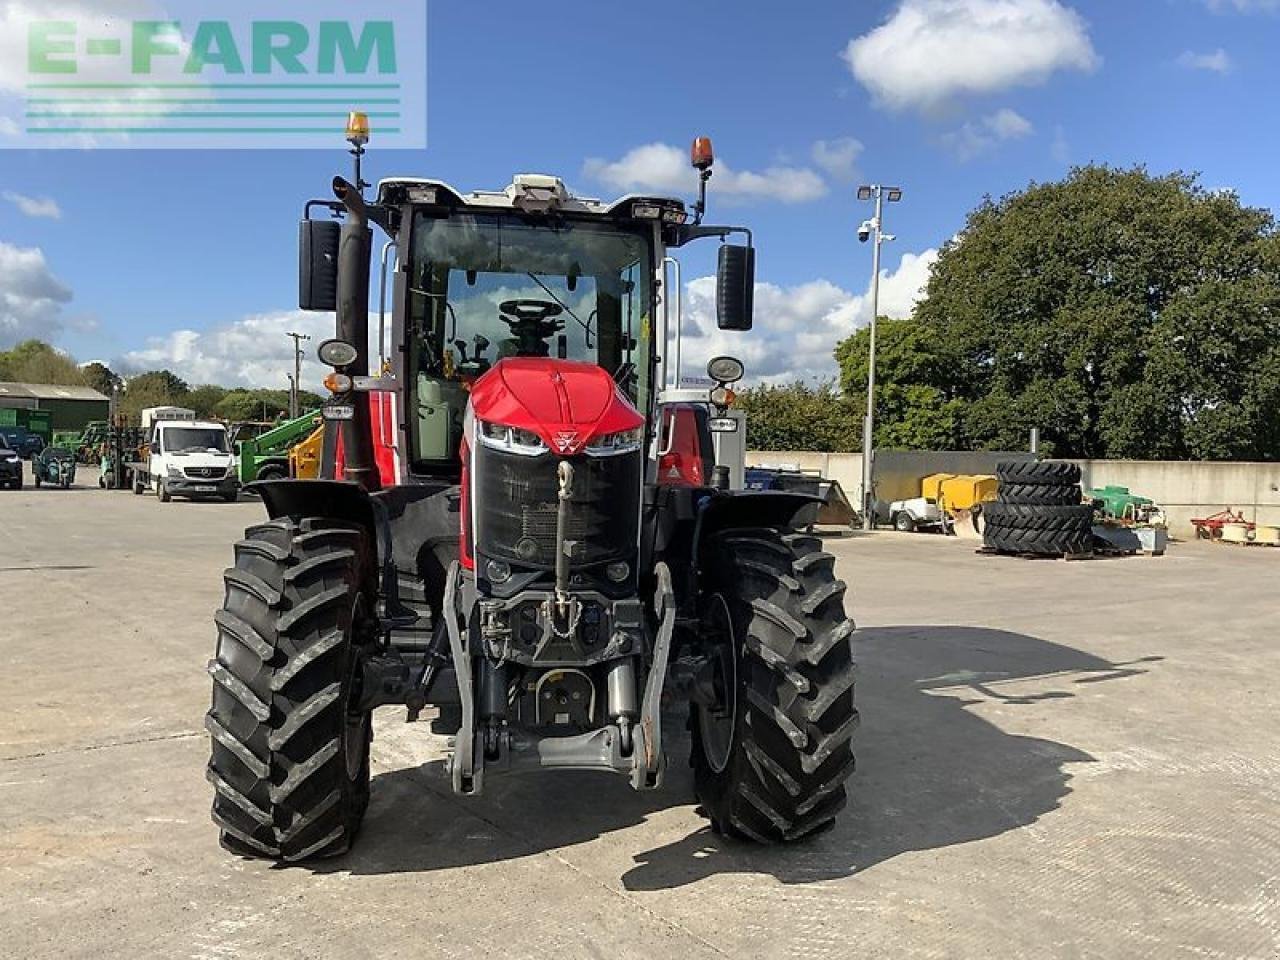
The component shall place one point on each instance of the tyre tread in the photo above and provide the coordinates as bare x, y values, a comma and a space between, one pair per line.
281, 789
786, 776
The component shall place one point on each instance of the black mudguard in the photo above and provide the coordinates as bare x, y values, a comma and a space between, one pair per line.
415, 527
316, 498
687, 519
333, 500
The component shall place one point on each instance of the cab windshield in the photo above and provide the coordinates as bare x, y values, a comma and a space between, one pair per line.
484, 287
194, 440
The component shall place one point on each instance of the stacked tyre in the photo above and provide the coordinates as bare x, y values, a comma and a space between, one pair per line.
1038, 510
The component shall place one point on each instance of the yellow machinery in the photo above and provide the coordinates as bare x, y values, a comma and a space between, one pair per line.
955, 492
304, 456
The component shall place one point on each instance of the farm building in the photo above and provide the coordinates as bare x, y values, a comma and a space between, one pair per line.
69, 408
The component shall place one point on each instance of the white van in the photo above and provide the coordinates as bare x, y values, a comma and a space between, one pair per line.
188, 457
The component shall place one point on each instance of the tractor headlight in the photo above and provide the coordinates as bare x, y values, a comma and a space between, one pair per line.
511, 439
624, 441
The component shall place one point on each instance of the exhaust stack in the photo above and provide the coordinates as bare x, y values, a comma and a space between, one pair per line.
355, 251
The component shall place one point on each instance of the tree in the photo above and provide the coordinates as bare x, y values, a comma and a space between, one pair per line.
1123, 314
204, 399
100, 377
912, 411
34, 361
156, 388
241, 404
801, 417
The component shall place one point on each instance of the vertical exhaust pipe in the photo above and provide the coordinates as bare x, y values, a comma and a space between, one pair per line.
355, 251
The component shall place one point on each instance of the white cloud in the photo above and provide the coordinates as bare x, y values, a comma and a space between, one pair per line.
838, 158
1216, 61
796, 328
31, 297
251, 352
89, 18
663, 168
931, 52
87, 15
975, 138
796, 331
45, 207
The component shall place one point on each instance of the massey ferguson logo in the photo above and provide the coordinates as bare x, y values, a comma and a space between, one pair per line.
566, 440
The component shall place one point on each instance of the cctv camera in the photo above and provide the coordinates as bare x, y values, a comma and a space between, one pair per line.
864, 231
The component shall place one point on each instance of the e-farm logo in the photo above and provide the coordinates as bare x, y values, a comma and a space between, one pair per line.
185, 80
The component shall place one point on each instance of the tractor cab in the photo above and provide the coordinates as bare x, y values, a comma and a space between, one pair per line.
481, 279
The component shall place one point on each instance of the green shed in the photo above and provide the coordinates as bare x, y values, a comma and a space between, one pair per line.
63, 407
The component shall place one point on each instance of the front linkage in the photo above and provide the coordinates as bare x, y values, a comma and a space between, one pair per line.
623, 746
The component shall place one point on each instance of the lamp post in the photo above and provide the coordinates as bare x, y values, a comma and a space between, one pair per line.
294, 383
873, 230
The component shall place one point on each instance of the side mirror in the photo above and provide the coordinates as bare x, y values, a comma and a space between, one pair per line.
735, 287
318, 264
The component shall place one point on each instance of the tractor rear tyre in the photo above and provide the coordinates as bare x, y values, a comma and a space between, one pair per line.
770, 760
290, 748
1050, 472
1040, 494
1031, 540
1028, 517
272, 471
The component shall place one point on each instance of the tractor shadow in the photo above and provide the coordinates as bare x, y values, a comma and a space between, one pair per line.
931, 773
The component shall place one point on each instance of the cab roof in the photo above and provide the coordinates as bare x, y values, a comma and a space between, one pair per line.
527, 192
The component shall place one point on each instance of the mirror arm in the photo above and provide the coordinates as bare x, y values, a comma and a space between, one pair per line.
690, 232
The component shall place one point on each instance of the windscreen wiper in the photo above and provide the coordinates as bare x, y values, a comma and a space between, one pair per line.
584, 326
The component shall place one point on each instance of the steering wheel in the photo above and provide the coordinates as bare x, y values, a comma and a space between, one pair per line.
532, 323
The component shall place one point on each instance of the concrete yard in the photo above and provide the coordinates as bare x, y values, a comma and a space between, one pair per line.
1056, 760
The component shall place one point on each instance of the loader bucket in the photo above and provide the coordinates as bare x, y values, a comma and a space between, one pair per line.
836, 509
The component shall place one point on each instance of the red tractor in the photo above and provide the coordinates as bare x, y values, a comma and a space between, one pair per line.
517, 530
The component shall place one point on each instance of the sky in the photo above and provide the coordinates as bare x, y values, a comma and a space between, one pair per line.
188, 259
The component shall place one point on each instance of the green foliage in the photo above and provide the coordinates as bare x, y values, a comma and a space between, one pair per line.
34, 361
912, 411
100, 377
156, 388
204, 399
801, 417
1125, 315
266, 405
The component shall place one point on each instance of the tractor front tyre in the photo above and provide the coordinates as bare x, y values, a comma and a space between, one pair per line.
771, 758
290, 746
